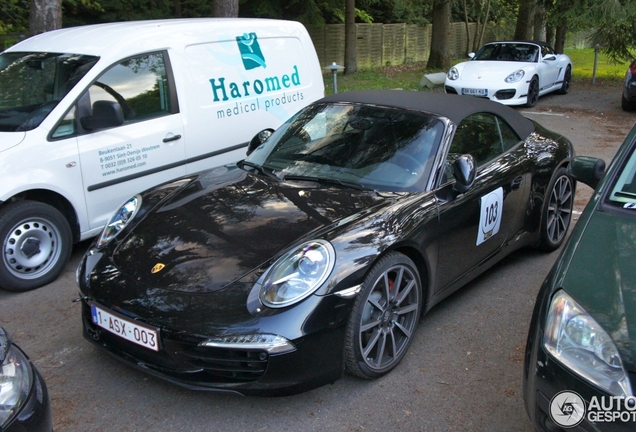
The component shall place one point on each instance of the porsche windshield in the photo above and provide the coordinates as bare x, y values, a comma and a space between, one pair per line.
519, 52
375, 147
31, 85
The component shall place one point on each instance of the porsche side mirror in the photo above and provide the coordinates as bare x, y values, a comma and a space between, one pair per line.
106, 114
471, 55
464, 170
549, 57
259, 139
587, 169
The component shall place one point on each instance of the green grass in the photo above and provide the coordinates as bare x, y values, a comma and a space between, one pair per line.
408, 76
583, 66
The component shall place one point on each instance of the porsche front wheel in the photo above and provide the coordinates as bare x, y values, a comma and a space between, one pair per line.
384, 317
557, 211
533, 92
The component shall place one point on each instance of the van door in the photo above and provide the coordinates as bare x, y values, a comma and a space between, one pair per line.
133, 135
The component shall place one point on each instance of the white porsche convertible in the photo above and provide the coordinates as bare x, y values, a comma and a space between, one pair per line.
511, 73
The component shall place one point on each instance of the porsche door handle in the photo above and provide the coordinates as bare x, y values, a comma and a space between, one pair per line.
516, 183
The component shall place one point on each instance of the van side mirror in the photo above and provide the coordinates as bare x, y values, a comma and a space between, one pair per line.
587, 169
259, 139
106, 114
464, 170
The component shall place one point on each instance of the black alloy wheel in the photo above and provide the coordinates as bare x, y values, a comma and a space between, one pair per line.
557, 211
384, 317
567, 81
533, 92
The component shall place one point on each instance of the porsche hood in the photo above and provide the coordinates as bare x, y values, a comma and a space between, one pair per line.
221, 226
487, 71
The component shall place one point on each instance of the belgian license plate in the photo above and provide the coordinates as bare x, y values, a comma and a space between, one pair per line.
475, 92
131, 331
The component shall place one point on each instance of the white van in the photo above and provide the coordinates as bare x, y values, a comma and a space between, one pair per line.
91, 115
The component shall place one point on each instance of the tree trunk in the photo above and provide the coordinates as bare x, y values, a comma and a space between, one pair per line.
559, 42
539, 24
439, 58
351, 62
523, 30
549, 34
467, 28
562, 25
225, 8
480, 40
44, 15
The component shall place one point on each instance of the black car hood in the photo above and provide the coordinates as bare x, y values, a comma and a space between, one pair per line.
226, 223
601, 277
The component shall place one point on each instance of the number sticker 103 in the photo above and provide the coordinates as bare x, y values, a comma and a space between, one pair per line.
490, 215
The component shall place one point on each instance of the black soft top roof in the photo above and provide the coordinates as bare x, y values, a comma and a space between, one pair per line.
531, 42
454, 107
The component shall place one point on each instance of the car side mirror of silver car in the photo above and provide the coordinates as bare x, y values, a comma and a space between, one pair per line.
464, 170
587, 169
259, 139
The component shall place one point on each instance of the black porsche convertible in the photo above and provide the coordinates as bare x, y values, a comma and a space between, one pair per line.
319, 252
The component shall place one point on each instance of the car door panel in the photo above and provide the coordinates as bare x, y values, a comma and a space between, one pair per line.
476, 225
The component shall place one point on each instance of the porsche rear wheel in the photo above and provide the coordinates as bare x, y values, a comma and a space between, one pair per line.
567, 81
557, 211
533, 92
36, 245
384, 317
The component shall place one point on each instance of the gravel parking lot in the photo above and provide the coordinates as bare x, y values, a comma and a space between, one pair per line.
462, 373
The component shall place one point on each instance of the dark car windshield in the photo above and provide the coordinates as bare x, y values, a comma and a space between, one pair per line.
623, 193
31, 85
519, 52
375, 147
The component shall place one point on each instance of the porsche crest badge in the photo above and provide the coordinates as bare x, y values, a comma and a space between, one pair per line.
157, 268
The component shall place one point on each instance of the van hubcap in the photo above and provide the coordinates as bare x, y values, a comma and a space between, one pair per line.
31, 248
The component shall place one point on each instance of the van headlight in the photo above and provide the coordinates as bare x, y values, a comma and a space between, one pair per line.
579, 343
515, 76
298, 273
119, 220
16, 379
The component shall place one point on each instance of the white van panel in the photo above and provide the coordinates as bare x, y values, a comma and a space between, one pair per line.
182, 95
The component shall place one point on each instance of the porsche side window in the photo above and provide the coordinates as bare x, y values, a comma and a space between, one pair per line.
478, 135
509, 137
139, 86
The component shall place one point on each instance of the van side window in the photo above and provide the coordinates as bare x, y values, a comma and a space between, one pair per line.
139, 85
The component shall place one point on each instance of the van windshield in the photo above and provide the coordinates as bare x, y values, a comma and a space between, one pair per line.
32, 84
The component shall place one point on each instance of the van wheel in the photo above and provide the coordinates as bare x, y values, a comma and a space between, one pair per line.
36, 245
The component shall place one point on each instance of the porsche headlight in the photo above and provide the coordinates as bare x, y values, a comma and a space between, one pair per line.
452, 74
298, 273
119, 220
515, 76
15, 379
578, 342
